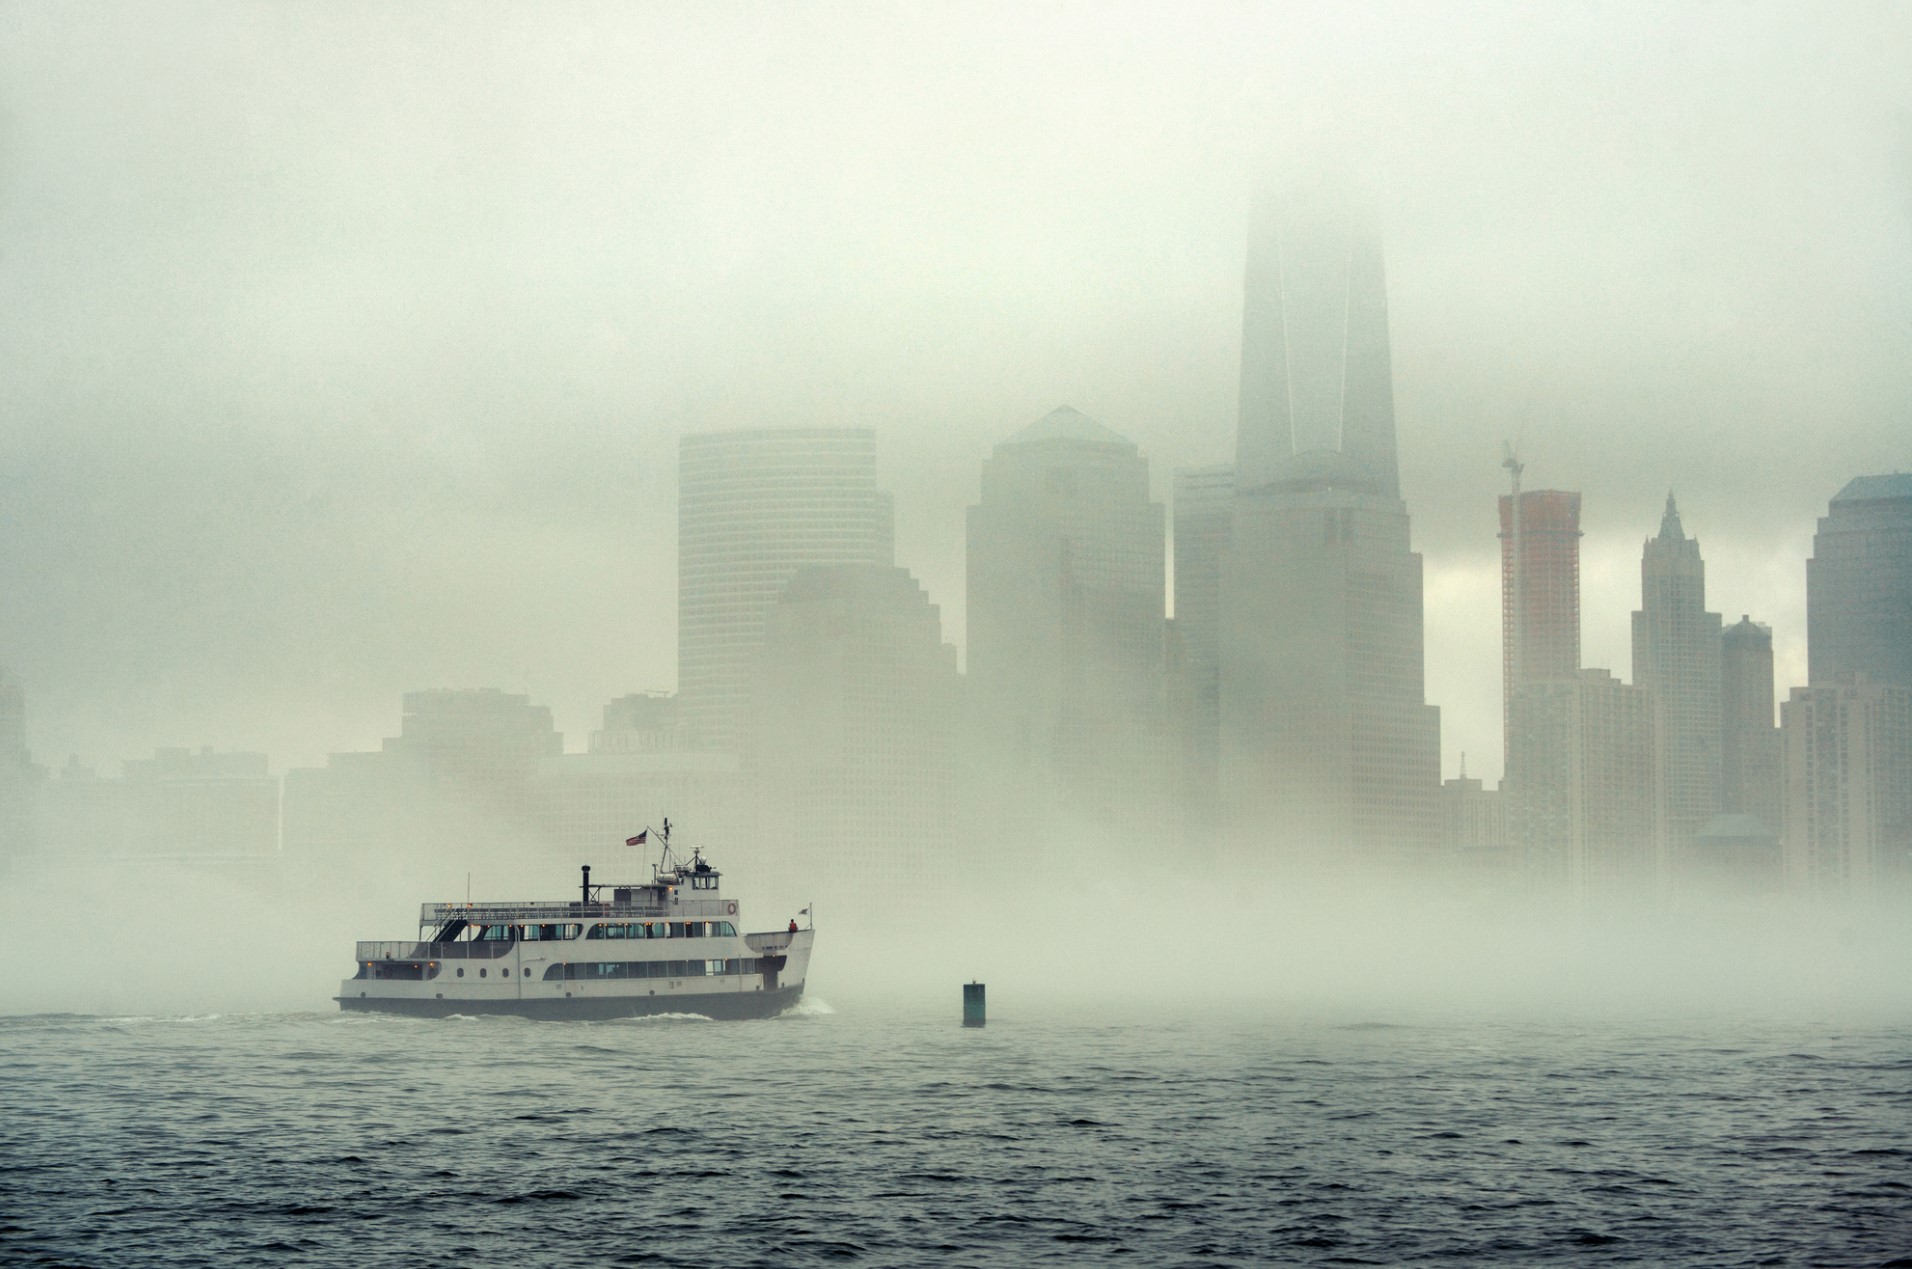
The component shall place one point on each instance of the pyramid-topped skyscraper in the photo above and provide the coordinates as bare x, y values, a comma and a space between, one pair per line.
1676, 651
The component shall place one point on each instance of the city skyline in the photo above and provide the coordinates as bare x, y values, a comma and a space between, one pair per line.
1597, 803
397, 395
1783, 635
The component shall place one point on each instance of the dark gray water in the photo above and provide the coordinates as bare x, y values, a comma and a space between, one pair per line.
869, 1137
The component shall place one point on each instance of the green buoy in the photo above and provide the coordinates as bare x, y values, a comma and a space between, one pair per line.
973, 1005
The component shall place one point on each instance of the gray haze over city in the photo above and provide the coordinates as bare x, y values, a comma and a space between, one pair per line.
350, 349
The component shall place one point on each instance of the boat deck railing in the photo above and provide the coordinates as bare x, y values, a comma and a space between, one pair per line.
526, 913
395, 950
485, 913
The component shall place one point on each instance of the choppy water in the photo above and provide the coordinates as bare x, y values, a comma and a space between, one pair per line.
863, 1136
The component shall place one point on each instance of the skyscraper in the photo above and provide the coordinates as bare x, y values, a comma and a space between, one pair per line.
1583, 772
457, 778
1847, 735
202, 805
483, 736
1204, 519
1676, 647
1859, 583
1473, 825
635, 772
1539, 618
1848, 747
1067, 676
1316, 371
1750, 769
753, 508
852, 742
16, 773
1328, 747
1583, 777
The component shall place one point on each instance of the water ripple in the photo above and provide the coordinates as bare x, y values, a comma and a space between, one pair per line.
863, 1137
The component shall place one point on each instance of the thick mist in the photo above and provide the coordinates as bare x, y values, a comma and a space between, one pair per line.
1053, 932
349, 349
350, 345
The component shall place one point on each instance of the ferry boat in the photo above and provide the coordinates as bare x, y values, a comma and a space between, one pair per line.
668, 945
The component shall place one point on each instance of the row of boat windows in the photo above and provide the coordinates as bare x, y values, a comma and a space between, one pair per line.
416, 971
602, 930
664, 930
527, 933
423, 971
596, 970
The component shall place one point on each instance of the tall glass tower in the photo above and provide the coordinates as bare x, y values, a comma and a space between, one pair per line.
753, 508
1859, 583
1316, 373
1328, 747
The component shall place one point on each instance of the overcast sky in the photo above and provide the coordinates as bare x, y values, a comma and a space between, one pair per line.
345, 347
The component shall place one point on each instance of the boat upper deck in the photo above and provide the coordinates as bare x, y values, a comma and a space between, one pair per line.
650, 905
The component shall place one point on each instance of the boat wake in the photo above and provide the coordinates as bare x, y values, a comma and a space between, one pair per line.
808, 1007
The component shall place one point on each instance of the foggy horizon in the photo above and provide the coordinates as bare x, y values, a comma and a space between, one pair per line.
336, 376
354, 354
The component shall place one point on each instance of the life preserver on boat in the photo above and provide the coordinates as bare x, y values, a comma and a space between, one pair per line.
731, 908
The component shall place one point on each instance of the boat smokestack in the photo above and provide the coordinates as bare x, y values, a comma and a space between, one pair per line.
587, 883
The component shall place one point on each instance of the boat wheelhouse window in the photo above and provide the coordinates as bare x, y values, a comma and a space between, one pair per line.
703, 881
